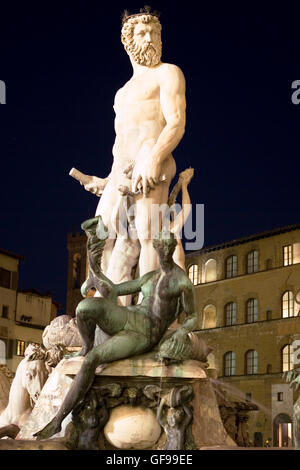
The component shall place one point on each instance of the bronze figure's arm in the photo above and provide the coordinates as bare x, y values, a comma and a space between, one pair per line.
189, 307
131, 287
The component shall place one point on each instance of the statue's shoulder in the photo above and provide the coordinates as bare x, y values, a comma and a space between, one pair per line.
171, 77
171, 69
119, 94
184, 279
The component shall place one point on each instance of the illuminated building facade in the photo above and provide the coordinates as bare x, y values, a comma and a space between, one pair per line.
248, 300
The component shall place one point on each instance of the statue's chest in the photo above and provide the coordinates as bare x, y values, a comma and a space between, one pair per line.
139, 90
162, 288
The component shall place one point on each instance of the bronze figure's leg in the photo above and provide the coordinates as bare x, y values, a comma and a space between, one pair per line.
124, 344
93, 311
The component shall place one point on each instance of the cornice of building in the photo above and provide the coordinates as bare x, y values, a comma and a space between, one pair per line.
37, 293
242, 240
11, 254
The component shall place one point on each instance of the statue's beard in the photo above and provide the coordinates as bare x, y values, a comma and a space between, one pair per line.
148, 55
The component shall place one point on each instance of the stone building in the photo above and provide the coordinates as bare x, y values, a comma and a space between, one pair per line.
23, 314
248, 300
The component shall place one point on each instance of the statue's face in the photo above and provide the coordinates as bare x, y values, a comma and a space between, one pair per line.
35, 377
165, 247
174, 417
147, 39
142, 41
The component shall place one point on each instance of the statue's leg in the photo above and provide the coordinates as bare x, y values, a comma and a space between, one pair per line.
124, 258
148, 224
122, 345
93, 311
109, 201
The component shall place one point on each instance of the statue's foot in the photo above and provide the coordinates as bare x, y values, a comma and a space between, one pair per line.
49, 430
186, 176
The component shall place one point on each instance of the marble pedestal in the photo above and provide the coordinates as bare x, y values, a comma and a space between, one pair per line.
206, 428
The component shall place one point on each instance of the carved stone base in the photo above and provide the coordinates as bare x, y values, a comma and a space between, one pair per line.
27, 444
136, 382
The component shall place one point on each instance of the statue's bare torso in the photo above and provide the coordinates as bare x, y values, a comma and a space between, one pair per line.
139, 117
139, 122
162, 299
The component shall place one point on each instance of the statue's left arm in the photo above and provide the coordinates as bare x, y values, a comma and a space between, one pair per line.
173, 106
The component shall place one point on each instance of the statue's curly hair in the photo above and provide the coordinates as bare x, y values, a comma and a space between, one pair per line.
51, 357
129, 25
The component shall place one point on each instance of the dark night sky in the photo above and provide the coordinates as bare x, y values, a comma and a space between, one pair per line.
62, 64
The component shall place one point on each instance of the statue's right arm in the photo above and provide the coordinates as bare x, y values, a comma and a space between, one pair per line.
96, 185
91, 183
189, 307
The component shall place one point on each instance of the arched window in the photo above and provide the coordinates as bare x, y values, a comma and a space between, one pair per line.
210, 273
193, 274
77, 270
211, 361
229, 363
209, 317
231, 266
287, 304
252, 310
251, 362
230, 314
252, 262
287, 353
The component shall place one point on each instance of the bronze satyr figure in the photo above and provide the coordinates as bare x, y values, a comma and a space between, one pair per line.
177, 421
134, 330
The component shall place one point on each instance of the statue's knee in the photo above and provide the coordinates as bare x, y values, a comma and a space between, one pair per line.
81, 310
91, 308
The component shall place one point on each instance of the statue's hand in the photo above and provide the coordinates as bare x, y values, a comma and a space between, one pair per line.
180, 333
96, 185
145, 175
174, 348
